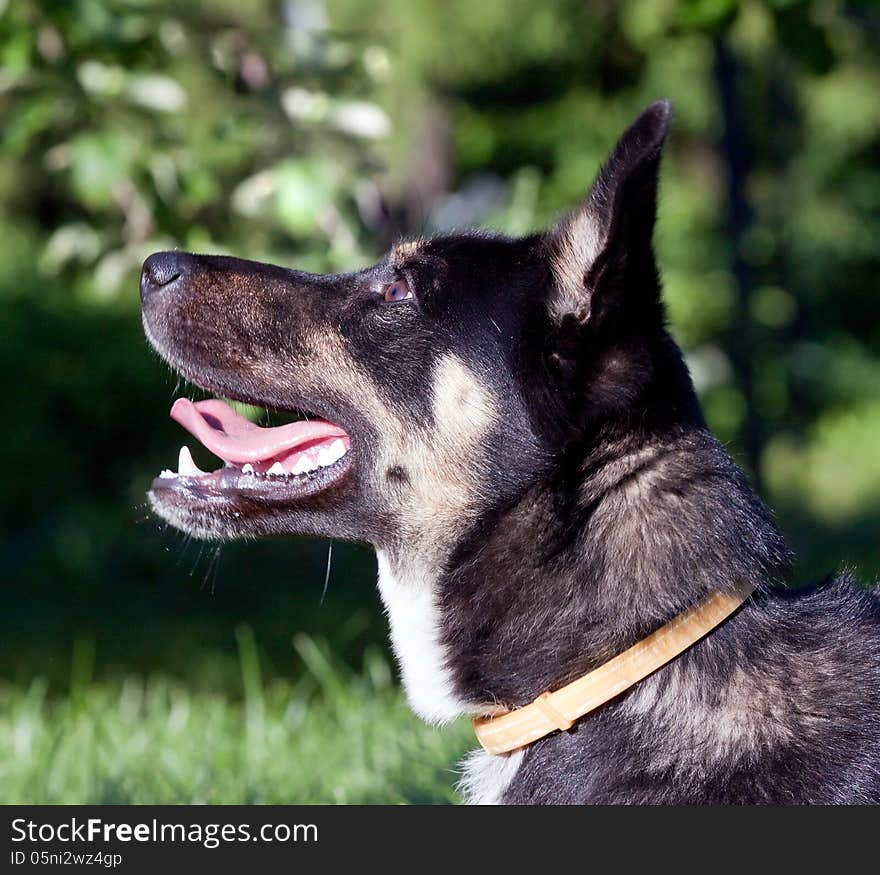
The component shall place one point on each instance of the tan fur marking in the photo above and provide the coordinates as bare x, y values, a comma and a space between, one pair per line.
406, 249
441, 459
463, 414
578, 247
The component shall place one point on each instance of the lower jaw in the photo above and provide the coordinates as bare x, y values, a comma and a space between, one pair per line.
234, 498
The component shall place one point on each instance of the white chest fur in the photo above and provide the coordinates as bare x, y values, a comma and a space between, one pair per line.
485, 777
409, 600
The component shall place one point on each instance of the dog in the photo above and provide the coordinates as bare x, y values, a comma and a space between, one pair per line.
511, 426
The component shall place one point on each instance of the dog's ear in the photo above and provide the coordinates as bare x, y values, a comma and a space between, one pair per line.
601, 254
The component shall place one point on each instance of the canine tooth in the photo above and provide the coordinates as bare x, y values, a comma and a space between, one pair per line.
277, 468
186, 467
247, 469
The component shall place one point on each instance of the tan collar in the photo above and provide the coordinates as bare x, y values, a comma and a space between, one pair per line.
559, 710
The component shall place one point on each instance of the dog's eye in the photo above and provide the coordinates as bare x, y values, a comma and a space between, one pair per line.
397, 291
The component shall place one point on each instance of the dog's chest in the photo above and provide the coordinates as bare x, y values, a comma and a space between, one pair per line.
486, 777
410, 601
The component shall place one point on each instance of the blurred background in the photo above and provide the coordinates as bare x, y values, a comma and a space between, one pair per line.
136, 665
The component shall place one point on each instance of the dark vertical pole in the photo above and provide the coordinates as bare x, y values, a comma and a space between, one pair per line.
735, 154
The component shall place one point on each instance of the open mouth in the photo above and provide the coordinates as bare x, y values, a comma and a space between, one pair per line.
286, 462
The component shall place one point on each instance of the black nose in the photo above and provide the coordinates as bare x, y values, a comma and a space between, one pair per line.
161, 270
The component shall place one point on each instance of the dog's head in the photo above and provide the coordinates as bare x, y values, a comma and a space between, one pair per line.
436, 385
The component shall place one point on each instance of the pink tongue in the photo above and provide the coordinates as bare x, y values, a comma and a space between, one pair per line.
235, 439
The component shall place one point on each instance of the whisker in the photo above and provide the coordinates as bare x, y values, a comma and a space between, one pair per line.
213, 566
192, 570
327, 575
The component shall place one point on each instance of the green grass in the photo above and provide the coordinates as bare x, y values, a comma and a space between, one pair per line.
333, 736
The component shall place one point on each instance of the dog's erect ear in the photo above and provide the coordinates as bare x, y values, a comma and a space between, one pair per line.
601, 253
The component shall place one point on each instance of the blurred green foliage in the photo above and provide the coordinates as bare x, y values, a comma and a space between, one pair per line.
312, 133
334, 736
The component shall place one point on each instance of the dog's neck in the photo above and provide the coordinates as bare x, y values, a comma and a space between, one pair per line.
622, 536
585, 565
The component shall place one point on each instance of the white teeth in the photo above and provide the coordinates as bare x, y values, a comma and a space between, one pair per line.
307, 462
333, 452
303, 465
186, 467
